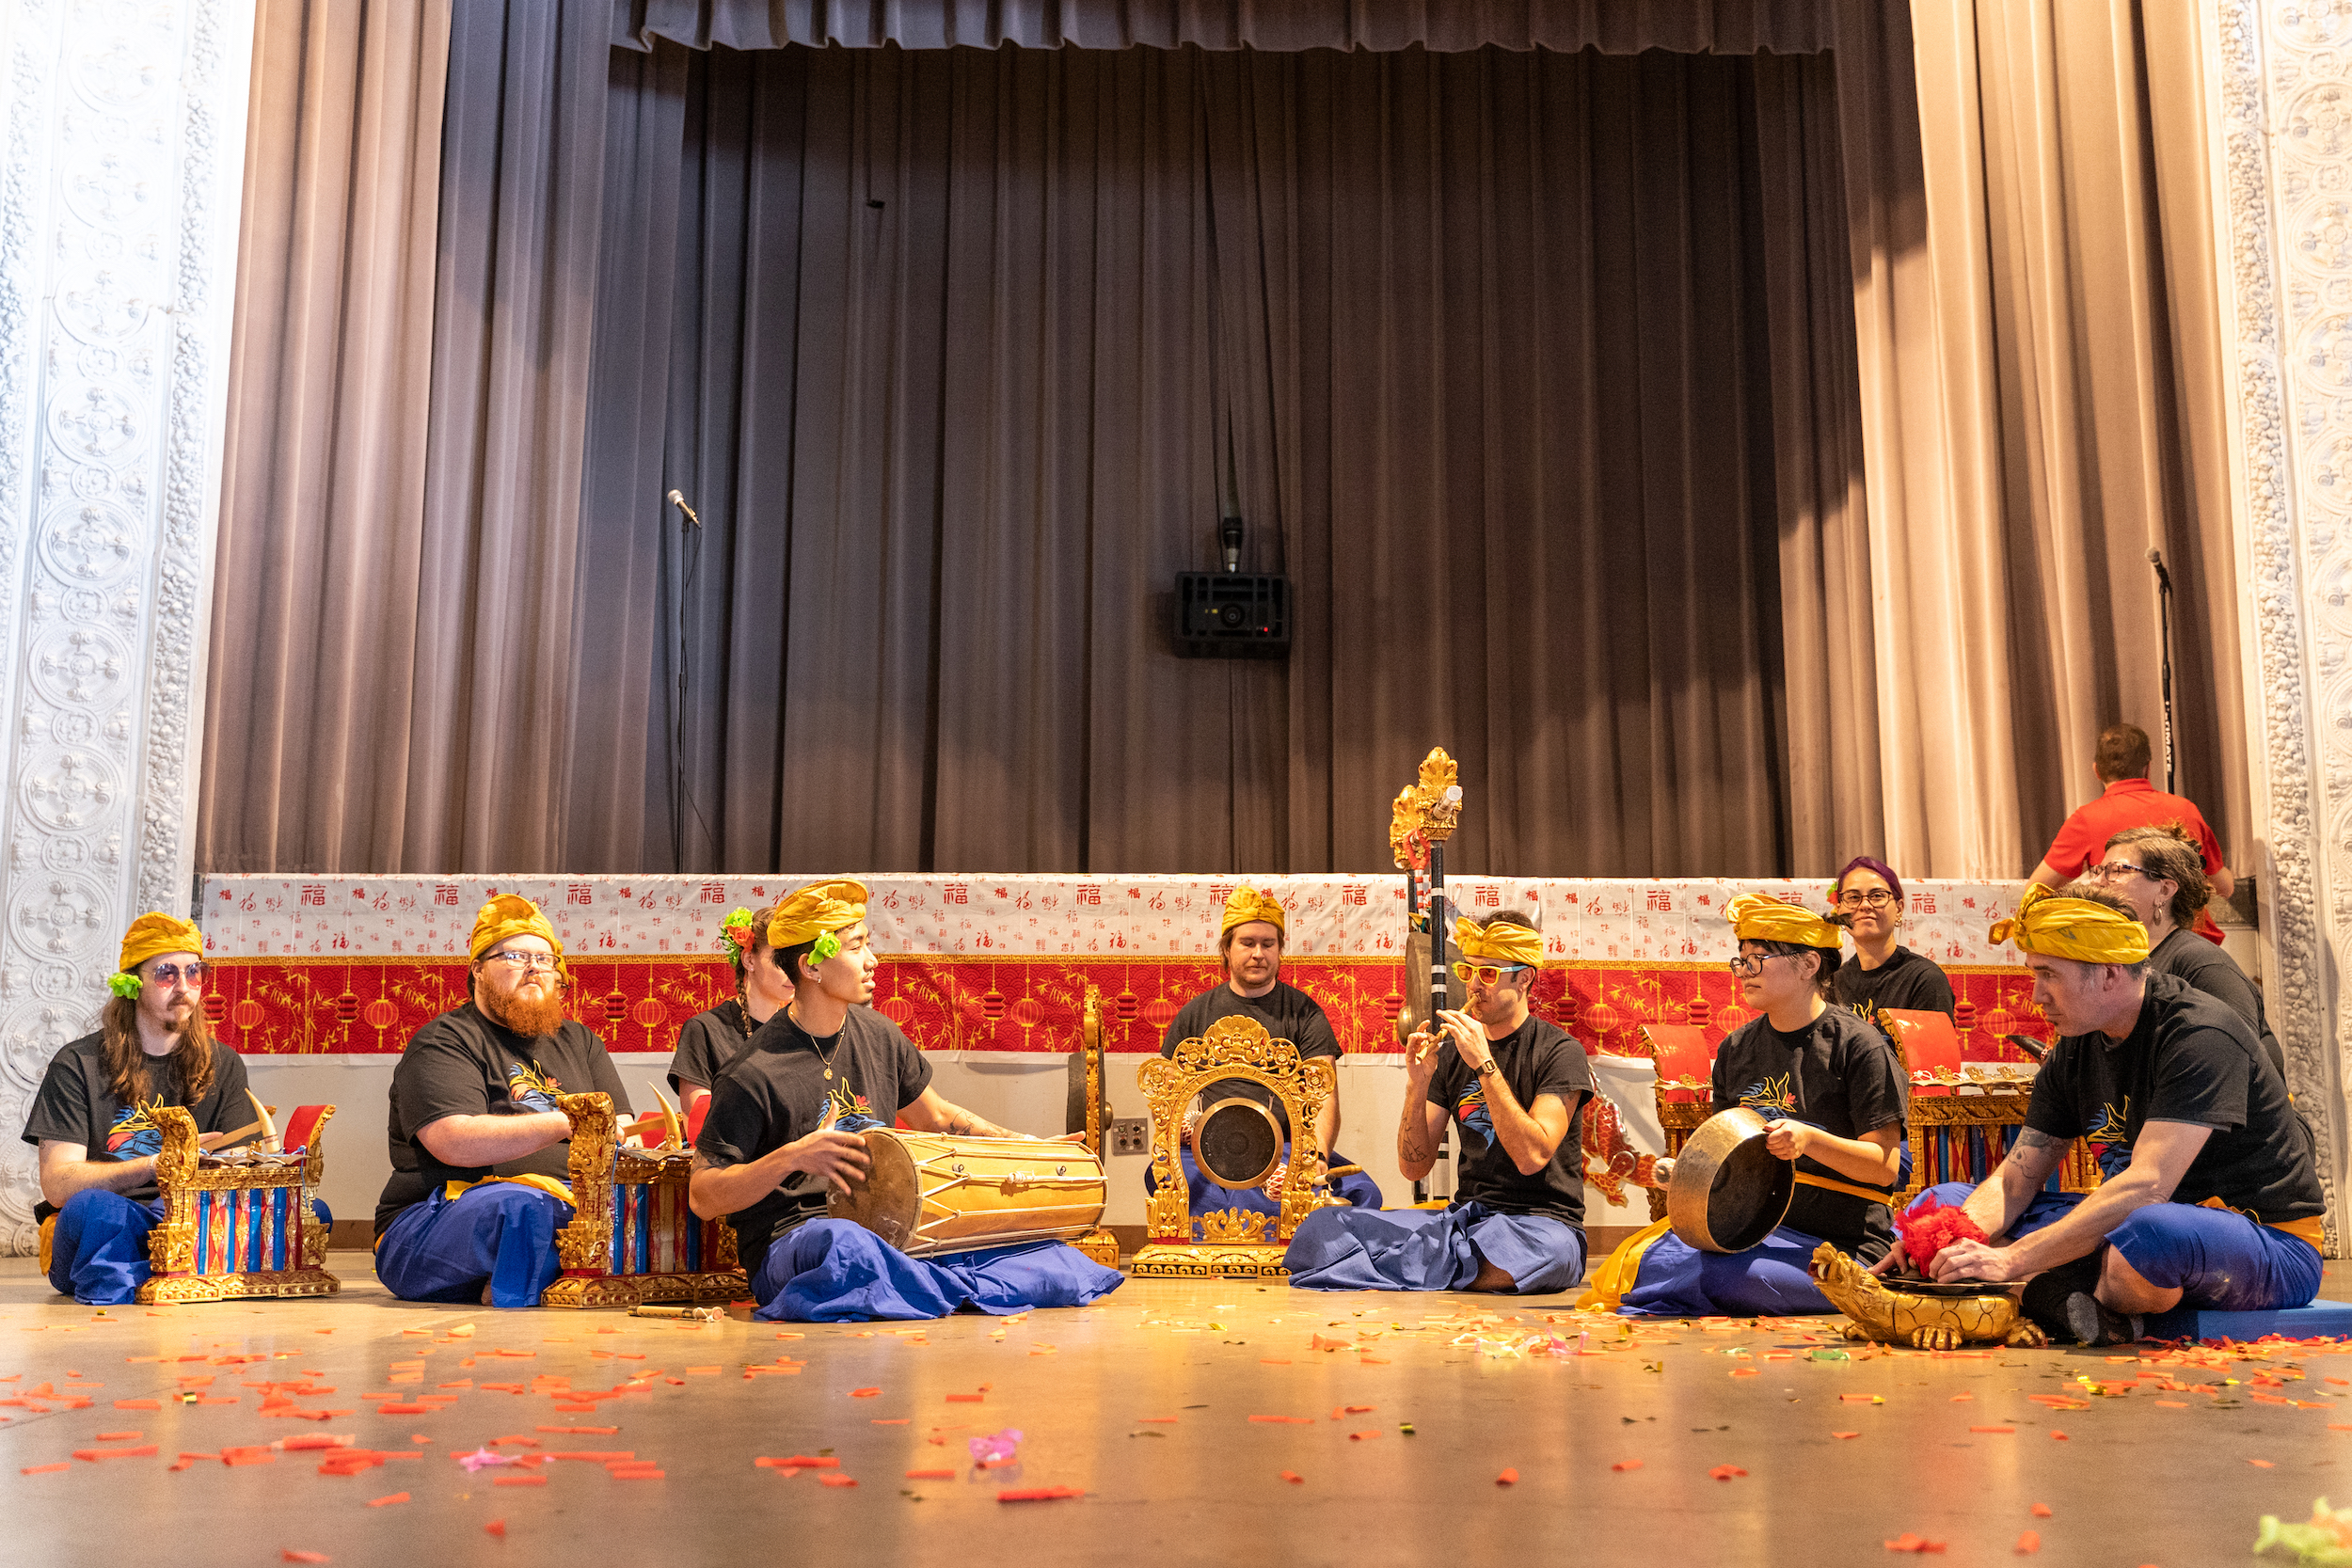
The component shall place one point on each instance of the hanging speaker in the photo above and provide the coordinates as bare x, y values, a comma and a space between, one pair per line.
1233, 615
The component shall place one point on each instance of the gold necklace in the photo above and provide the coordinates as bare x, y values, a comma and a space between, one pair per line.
791, 1010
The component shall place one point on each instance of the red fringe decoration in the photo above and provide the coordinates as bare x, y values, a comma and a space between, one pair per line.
1928, 1230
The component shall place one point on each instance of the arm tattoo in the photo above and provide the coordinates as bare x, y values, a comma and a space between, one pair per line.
2029, 1138
1412, 1135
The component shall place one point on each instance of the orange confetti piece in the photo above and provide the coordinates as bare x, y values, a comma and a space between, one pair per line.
1845, 1434
137, 1404
388, 1501
1364, 1436
1746, 1371
497, 1527
1290, 1476
291, 1555
145, 1450
1725, 1472
1857, 1399
2171, 1404
1510, 1477
1361, 1409
1627, 1465
1910, 1542
2059, 1437
520, 1480
1038, 1494
120, 1436
2262, 1463
837, 1480
1263, 1361
966, 1398
2027, 1543
1992, 1429
45, 1469
1284, 1420
864, 1393
930, 1475
1157, 1420
2041, 1510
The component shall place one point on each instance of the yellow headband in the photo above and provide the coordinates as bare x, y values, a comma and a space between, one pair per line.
511, 915
1505, 942
815, 910
1759, 917
1245, 904
2061, 927
152, 934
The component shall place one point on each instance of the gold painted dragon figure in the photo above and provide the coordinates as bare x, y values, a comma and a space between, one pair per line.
1923, 1323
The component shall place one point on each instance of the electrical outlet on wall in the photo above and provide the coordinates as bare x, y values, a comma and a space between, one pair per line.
1131, 1135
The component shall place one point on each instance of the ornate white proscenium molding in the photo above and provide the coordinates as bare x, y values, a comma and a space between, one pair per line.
118, 203
2279, 91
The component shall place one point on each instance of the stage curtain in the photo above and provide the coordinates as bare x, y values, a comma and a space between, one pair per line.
315, 623
966, 351
2040, 362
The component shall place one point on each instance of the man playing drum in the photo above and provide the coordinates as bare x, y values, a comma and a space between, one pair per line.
783, 1127
1515, 1085
2210, 1198
1250, 942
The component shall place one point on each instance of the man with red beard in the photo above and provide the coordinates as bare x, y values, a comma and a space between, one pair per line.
479, 1152
93, 1120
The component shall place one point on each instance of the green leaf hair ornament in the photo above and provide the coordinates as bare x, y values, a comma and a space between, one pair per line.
126, 986
825, 947
739, 920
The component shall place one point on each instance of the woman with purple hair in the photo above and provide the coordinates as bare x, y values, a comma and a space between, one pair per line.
1882, 972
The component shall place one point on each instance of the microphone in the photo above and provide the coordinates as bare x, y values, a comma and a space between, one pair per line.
678, 501
1228, 538
2155, 559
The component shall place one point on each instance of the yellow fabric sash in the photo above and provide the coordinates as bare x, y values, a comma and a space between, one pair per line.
48, 1234
2311, 1231
453, 1190
1616, 1274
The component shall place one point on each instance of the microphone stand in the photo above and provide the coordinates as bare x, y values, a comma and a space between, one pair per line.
2164, 622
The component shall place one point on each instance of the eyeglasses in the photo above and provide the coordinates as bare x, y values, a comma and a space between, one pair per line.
1745, 965
1877, 898
2112, 870
172, 975
1486, 974
529, 963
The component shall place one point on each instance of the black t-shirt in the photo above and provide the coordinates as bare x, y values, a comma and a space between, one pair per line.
776, 1092
1285, 1012
462, 1064
2187, 956
708, 1045
76, 1105
1536, 1058
1907, 981
1838, 1074
2190, 1058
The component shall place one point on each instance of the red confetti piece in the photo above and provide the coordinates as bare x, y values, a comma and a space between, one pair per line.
1285, 1420
892, 1421
2056, 1436
1510, 1477
520, 1480
1290, 1476
801, 1461
1725, 1472
1910, 1542
2041, 1510
293, 1556
147, 1450
1157, 1420
1038, 1494
1627, 1465
837, 1480
388, 1501
406, 1409
1992, 1429
930, 1475
497, 1527
1364, 1436
648, 1475
1845, 1434
2027, 1543
137, 1404
966, 1398
864, 1393
120, 1436
2262, 1463
45, 1469
575, 1431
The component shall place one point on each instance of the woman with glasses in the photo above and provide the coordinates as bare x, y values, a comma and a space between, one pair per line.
2160, 872
1882, 972
93, 1120
1836, 1099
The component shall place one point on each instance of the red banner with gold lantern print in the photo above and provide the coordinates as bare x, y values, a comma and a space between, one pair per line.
300, 1005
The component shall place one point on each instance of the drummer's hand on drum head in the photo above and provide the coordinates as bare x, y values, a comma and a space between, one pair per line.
835, 1156
1785, 1139
1896, 1263
1971, 1260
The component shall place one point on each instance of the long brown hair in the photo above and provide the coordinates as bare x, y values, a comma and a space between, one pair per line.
128, 1078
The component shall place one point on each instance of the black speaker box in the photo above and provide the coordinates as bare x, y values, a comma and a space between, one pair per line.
1233, 615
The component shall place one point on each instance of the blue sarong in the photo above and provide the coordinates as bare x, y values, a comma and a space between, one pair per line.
2217, 1259
1433, 1249
98, 1245
1204, 1195
500, 1234
1771, 1280
836, 1271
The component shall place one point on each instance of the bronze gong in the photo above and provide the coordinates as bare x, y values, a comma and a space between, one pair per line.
1237, 1143
1728, 1192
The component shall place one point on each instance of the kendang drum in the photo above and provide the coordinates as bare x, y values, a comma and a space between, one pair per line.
1728, 1192
929, 1192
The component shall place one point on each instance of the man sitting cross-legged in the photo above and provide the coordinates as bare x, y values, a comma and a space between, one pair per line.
1515, 1085
2209, 1200
784, 1125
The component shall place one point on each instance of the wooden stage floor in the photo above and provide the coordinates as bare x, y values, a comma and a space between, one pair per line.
1614, 1448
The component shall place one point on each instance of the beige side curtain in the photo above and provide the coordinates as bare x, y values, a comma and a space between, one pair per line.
310, 712
2038, 367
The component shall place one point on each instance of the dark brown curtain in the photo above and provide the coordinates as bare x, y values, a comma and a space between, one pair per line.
967, 350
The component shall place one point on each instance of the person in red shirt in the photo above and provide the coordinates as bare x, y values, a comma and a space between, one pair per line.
2130, 802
